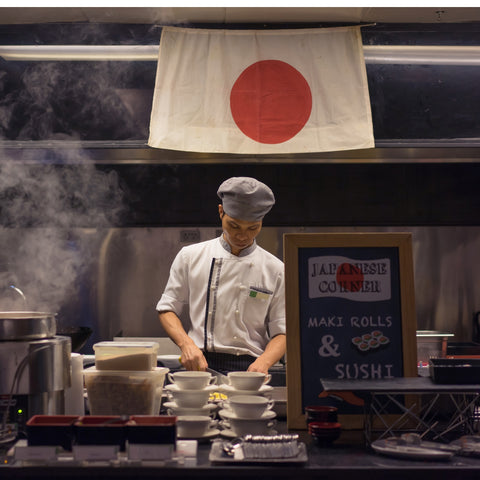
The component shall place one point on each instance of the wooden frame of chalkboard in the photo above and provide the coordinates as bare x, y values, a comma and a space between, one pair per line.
350, 309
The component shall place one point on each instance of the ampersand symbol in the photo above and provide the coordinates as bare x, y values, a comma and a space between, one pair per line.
327, 349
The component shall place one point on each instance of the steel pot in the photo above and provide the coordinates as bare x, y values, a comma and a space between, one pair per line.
27, 325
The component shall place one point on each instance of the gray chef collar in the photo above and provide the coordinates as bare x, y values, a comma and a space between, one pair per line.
244, 252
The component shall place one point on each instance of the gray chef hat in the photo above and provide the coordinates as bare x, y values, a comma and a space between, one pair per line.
246, 198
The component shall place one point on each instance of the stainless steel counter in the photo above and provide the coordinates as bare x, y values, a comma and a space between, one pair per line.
343, 460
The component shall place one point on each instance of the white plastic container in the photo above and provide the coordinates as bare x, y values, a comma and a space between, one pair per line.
124, 392
126, 356
431, 343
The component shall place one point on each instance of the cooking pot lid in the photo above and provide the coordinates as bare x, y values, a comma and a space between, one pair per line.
18, 325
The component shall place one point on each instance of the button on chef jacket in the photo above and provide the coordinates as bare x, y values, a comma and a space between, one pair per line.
237, 303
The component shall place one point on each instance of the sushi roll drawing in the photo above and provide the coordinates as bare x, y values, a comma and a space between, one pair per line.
383, 340
370, 341
363, 347
357, 340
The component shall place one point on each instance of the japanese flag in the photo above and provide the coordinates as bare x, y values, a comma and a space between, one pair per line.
261, 91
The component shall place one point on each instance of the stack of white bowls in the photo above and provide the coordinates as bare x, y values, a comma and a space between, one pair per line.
248, 408
188, 399
247, 414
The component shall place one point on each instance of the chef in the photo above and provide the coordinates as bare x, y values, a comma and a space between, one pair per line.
234, 289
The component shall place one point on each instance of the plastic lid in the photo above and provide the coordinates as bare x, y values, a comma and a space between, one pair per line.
153, 372
107, 344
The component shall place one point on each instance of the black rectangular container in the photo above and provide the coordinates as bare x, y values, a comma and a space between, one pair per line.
51, 430
457, 371
463, 349
146, 429
101, 430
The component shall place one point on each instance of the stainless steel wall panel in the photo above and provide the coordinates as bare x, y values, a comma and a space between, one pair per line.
125, 273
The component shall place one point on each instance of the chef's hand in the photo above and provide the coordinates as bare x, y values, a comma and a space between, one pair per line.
274, 350
192, 358
259, 365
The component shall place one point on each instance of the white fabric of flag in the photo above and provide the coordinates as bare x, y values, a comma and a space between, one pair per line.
261, 91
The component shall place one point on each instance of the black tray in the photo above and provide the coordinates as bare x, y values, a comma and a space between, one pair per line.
455, 370
463, 348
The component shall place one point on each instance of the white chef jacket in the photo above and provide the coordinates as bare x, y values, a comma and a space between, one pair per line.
237, 303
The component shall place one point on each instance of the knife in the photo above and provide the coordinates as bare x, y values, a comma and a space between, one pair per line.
221, 378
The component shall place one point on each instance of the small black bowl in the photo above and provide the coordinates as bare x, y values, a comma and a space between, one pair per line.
321, 413
325, 433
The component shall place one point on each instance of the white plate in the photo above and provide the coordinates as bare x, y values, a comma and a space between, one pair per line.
207, 408
467, 445
210, 434
229, 389
174, 388
227, 433
410, 452
228, 414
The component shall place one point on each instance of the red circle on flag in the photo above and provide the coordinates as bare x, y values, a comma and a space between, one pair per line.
270, 101
350, 277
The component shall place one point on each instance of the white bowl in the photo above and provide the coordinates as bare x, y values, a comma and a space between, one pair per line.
191, 380
174, 409
243, 426
194, 426
247, 380
189, 398
231, 392
227, 414
248, 406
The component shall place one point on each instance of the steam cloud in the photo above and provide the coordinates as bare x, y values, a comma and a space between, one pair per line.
43, 212
53, 209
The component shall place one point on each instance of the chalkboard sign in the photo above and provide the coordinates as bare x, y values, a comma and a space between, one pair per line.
350, 314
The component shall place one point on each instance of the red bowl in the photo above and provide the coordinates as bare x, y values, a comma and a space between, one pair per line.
321, 413
324, 426
326, 440
325, 433
316, 409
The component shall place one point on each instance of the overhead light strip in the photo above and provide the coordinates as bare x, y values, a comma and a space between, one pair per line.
98, 53
378, 54
422, 55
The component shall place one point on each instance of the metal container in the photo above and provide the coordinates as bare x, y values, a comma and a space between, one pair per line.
33, 377
27, 325
37, 366
431, 343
